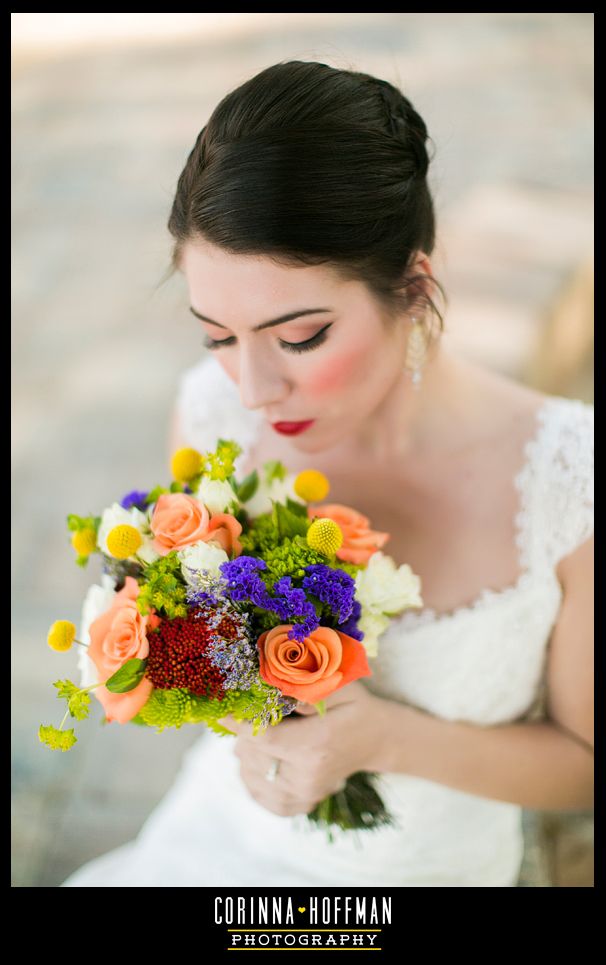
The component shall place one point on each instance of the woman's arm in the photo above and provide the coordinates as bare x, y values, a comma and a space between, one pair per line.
535, 765
540, 764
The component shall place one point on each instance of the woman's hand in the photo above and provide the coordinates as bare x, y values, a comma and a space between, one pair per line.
316, 753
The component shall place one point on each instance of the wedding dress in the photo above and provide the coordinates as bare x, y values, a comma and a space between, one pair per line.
483, 663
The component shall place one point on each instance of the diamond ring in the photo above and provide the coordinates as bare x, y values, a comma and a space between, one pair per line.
272, 771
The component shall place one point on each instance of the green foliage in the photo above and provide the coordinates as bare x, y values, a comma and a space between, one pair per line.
287, 522
165, 708
274, 469
289, 558
163, 588
78, 701
299, 509
154, 494
127, 677
76, 523
57, 740
78, 706
220, 463
248, 487
173, 708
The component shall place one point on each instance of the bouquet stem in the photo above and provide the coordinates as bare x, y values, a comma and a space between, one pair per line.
357, 806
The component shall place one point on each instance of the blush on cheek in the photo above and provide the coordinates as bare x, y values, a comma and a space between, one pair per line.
338, 374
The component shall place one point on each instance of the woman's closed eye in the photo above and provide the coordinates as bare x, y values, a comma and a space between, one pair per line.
306, 346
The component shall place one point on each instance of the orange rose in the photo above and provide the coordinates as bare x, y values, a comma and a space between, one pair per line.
224, 529
312, 669
178, 520
359, 541
115, 637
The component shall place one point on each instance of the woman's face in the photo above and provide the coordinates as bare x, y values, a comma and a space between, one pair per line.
343, 374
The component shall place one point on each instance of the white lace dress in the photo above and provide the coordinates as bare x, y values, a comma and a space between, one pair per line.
483, 663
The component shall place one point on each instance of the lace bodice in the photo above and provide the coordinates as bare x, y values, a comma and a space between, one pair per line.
483, 661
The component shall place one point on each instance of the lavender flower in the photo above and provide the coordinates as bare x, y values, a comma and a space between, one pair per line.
332, 586
350, 626
135, 498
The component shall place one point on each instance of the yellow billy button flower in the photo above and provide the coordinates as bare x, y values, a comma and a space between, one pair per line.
84, 541
61, 635
123, 541
325, 536
312, 485
186, 464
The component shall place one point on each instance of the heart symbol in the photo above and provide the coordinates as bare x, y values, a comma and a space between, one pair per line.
302, 909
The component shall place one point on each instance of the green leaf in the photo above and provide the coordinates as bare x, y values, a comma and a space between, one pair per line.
57, 740
127, 677
79, 705
321, 707
289, 523
299, 509
78, 700
248, 487
76, 523
154, 495
274, 469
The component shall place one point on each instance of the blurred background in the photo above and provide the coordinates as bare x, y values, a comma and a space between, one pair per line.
105, 109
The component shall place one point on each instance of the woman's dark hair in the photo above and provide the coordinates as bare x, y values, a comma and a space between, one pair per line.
308, 164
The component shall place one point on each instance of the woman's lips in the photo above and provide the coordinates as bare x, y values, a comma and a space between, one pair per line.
292, 428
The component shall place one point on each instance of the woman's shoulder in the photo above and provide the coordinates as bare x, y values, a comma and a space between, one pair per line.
558, 476
558, 420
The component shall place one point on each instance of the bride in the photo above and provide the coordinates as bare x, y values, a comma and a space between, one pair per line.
304, 229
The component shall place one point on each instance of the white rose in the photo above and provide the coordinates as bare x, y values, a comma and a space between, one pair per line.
198, 557
116, 515
278, 490
372, 626
217, 495
383, 587
97, 601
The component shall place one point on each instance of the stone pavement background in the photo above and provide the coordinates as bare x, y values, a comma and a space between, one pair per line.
99, 139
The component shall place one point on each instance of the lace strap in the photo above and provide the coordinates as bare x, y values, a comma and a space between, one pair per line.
556, 484
208, 407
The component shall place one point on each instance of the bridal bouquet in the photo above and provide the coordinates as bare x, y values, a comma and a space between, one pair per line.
223, 597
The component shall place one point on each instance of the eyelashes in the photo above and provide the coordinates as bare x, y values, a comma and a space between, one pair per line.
307, 346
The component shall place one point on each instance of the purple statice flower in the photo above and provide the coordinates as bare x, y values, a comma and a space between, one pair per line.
332, 586
136, 498
242, 582
329, 585
292, 602
350, 626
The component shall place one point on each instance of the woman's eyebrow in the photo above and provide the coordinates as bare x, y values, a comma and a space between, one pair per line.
274, 321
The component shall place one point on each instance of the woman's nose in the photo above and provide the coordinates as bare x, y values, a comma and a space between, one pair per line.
260, 384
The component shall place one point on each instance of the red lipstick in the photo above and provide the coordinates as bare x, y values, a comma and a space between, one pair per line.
292, 428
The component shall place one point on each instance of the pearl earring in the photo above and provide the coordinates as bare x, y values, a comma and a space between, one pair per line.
415, 352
